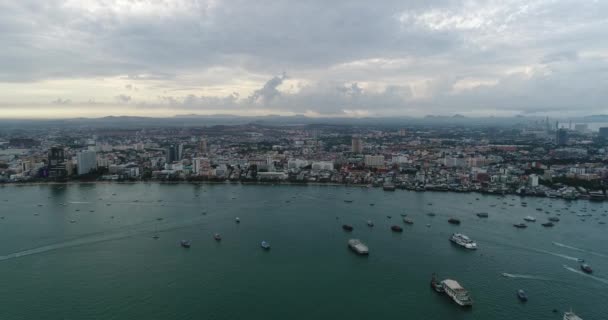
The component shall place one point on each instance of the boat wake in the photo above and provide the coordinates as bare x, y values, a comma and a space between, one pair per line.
602, 280
558, 255
97, 238
78, 202
580, 250
523, 276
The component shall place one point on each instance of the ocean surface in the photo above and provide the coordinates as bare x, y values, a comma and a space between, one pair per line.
87, 251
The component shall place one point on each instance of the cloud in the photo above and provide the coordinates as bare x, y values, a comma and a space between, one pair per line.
389, 58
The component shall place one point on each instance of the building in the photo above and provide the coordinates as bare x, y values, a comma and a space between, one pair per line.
604, 132
57, 163
171, 154
581, 127
203, 146
561, 137
201, 166
374, 161
322, 165
180, 151
87, 161
357, 145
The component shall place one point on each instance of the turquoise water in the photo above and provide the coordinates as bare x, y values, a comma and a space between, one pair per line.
106, 265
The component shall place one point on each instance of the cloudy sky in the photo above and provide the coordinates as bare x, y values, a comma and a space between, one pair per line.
319, 58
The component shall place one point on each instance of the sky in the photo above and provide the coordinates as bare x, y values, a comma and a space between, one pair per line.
84, 58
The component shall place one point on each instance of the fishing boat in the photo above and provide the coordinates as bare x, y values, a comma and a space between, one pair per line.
396, 228
265, 245
521, 294
359, 247
547, 224
520, 225
185, 243
347, 227
431, 214
482, 214
554, 219
454, 221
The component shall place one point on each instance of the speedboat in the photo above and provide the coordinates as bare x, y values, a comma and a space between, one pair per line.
521, 294
586, 268
217, 237
265, 245
185, 243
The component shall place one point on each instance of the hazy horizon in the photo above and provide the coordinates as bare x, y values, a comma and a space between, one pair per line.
70, 59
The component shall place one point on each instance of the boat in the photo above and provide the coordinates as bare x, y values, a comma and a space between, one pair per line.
408, 221
463, 241
539, 209
359, 247
348, 201
455, 291
185, 243
436, 285
396, 228
265, 245
370, 223
237, 220
547, 224
431, 214
530, 219
586, 268
388, 187
521, 294
520, 225
217, 237
482, 214
155, 237
554, 219
454, 221
347, 227
569, 315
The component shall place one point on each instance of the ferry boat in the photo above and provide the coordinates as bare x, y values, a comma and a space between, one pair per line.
455, 291
185, 243
530, 219
521, 294
396, 228
347, 227
482, 214
520, 225
586, 268
454, 221
569, 315
408, 221
359, 247
436, 285
463, 241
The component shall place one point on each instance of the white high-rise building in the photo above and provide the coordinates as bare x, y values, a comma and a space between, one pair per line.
87, 161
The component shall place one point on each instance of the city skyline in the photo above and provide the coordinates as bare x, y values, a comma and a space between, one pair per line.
65, 59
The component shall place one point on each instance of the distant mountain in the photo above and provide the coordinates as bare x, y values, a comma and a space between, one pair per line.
597, 118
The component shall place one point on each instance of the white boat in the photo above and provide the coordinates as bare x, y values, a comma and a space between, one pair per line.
571, 316
463, 241
370, 223
237, 220
453, 289
358, 246
530, 218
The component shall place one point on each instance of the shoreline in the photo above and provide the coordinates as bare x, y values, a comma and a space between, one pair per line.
227, 182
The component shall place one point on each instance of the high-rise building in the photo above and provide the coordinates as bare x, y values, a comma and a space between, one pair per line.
56, 165
180, 151
561, 137
357, 145
171, 154
87, 161
604, 132
203, 146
